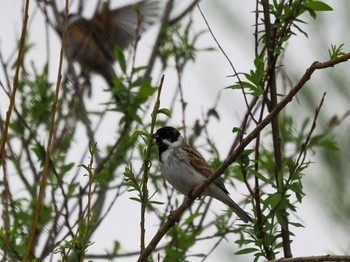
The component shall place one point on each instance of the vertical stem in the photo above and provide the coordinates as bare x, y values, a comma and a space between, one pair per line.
87, 231
5, 200
146, 162
5, 197
49, 144
259, 213
6, 193
272, 87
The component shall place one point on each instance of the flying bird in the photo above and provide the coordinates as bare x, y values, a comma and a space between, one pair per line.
92, 42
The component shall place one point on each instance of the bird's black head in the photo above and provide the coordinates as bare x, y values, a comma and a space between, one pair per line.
164, 137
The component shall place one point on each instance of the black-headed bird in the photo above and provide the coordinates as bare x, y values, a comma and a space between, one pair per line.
185, 168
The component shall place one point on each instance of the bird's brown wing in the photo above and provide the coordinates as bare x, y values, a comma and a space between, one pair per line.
119, 25
81, 36
198, 162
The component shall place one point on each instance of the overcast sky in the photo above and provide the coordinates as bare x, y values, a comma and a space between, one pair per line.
203, 80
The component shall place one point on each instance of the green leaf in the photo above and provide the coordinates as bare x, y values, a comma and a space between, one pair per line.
39, 151
66, 168
145, 92
330, 145
118, 85
296, 224
116, 247
269, 239
322, 141
281, 220
248, 85
279, 245
92, 148
246, 251
190, 219
318, 6
235, 86
140, 68
243, 158
297, 188
273, 200
237, 130
135, 199
134, 136
84, 166
165, 111
336, 51
119, 55
260, 176
156, 202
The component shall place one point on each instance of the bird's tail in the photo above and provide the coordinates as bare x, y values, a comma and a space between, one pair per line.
222, 195
239, 211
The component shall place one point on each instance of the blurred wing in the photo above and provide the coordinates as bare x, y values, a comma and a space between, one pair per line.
82, 39
198, 162
120, 26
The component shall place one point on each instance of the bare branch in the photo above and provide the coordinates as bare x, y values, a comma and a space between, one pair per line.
313, 259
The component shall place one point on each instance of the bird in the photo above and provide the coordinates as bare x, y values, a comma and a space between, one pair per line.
92, 42
185, 168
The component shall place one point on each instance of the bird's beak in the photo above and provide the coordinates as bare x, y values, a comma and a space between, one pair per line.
155, 136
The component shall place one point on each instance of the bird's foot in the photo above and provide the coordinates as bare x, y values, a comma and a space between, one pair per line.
191, 197
172, 218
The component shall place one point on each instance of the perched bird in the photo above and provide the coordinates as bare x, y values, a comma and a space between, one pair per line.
184, 168
92, 42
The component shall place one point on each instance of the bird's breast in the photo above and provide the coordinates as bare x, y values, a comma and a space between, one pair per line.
178, 172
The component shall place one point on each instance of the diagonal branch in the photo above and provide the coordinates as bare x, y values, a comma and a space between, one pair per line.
233, 155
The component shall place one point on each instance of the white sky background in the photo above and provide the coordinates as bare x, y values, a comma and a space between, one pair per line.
202, 82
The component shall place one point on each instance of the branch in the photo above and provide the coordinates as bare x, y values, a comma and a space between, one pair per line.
189, 9
15, 84
146, 165
313, 259
306, 143
176, 214
164, 24
228, 60
271, 88
40, 197
6, 193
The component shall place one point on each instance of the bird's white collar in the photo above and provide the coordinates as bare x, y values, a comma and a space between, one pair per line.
178, 143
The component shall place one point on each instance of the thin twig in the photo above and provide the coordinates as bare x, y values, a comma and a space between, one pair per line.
187, 10
182, 97
158, 41
49, 143
15, 84
88, 216
146, 163
307, 141
228, 59
4, 140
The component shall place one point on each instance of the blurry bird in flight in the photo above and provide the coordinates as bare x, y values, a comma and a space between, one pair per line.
92, 42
